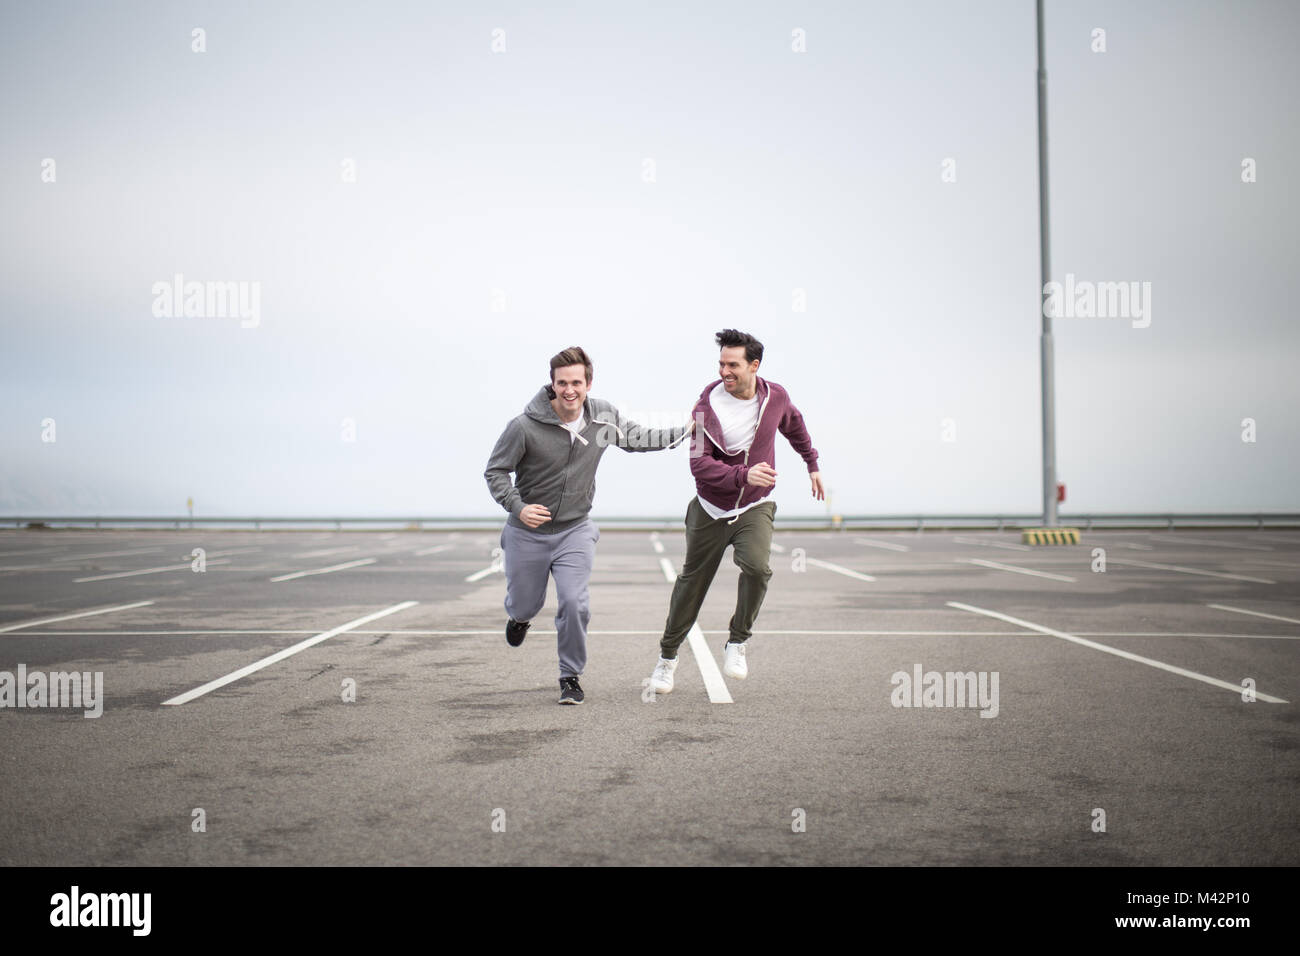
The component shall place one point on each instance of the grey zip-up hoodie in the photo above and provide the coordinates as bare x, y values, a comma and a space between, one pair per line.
559, 473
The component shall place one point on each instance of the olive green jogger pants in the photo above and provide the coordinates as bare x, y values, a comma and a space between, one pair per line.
706, 539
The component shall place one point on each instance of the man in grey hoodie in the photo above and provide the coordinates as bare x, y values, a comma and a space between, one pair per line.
554, 448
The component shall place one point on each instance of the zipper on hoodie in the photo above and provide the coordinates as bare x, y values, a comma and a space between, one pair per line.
573, 443
565, 487
751, 445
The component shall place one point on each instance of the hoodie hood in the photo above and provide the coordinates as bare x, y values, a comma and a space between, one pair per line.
540, 409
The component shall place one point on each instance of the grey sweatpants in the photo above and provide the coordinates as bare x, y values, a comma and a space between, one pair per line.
529, 558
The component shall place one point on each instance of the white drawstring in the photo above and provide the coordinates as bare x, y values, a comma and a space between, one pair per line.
602, 421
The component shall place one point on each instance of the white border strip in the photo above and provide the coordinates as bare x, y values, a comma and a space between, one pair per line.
713, 682
799, 633
69, 617
190, 695
1150, 662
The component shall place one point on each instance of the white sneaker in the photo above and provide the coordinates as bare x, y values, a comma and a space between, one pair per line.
733, 664
662, 679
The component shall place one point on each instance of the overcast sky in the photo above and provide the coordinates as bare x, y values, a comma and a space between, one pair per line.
501, 211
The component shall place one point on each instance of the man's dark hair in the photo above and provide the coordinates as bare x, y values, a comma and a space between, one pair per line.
573, 356
729, 338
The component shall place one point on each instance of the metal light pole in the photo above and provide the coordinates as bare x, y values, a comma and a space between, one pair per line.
1045, 268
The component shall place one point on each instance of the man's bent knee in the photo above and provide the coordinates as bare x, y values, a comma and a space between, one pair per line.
574, 607
753, 569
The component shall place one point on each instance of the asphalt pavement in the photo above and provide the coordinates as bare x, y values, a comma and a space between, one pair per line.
369, 711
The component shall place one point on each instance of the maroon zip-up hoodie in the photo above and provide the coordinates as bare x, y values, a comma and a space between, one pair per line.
720, 477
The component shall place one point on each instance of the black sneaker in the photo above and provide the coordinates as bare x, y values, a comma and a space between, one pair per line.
570, 692
516, 631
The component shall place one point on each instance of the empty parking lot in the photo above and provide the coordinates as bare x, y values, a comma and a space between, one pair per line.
348, 697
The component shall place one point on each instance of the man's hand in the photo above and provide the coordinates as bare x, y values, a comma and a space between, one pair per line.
534, 515
761, 475
818, 489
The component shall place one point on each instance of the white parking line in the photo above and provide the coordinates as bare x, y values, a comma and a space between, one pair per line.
1258, 564
886, 633
847, 572
437, 549
779, 549
222, 554
327, 552
714, 685
480, 575
1179, 539
69, 617
1150, 662
658, 546
213, 630
130, 574
1012, 567
281, 655
887, 545
992, 544
798, 633
329, 570
1261, 637
104, 554
303, 630
1239, 610
1174, 567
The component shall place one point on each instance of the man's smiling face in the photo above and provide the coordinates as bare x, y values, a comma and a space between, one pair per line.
737, 374
570, 384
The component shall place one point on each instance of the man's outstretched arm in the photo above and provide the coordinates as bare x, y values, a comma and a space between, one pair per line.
618, 429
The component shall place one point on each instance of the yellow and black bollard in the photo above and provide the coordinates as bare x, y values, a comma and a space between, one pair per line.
1050, 535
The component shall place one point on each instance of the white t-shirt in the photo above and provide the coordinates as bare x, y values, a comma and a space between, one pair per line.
739, 421
575, 426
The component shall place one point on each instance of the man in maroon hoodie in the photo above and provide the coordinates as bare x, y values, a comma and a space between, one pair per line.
732, 459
